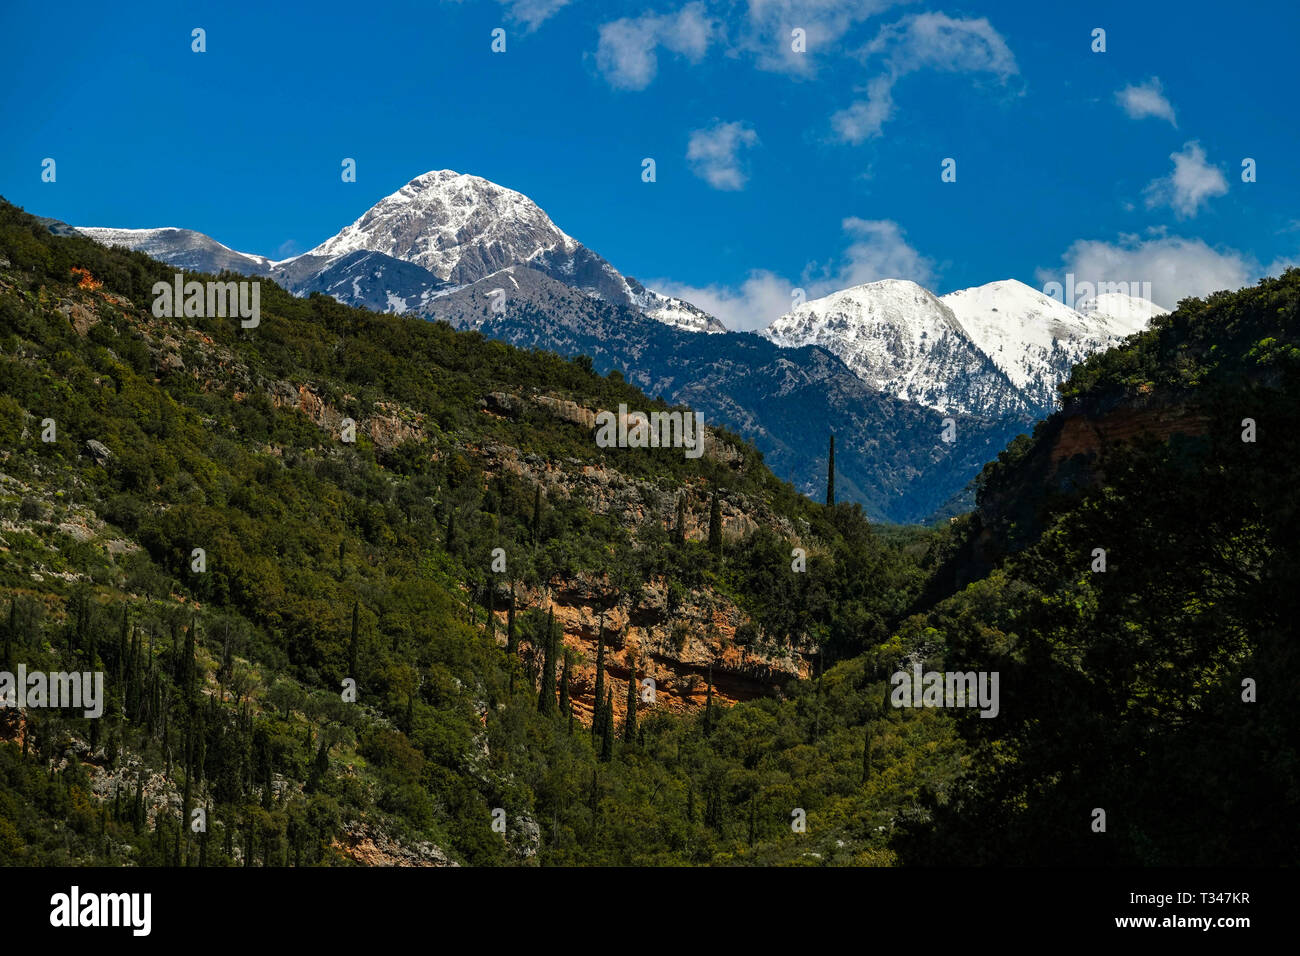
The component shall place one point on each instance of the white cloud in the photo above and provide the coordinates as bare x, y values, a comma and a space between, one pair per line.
925, 41
1176, 267
766, 33
1146, 99
533, 13
762, 297
1192, 183
864, 118
878, 250
627, 51
714, 154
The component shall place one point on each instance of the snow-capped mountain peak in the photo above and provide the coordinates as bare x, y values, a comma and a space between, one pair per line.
1125, 314
999, 348
903, 340
457, 226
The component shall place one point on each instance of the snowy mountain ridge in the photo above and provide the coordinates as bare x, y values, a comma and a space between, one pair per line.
989, 351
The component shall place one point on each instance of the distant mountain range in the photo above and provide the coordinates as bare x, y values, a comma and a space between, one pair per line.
998, 349
882, 365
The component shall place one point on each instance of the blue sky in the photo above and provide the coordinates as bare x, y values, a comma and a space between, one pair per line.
775, 169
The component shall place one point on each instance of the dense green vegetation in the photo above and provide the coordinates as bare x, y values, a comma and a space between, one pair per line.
326, 560
1120, 690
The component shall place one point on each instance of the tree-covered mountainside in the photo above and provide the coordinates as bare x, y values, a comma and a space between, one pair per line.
1141, 609
501, 715
324, 561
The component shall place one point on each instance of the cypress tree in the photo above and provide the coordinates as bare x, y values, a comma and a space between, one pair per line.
352, 645
451, 528
830, 475
679, 532
715, 525
537, 514
598, 699
607, 729
512, 643
122, 645
708, 704
546, 696
9, 638
629, 722
10, 630
566, 709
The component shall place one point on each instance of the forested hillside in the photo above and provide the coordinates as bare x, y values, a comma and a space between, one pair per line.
326, 560
1150, 680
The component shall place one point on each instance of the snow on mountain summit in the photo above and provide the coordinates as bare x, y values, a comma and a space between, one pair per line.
996, 349
904, 341
458, 227
462, 228
1030, 336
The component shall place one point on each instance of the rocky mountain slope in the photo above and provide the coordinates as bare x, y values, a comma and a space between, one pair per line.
890, 453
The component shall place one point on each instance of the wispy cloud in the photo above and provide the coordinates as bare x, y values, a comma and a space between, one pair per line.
714, 154
1193, 183
1146, 99
627, 51
533, 13
877, 249
766, 30
925, 41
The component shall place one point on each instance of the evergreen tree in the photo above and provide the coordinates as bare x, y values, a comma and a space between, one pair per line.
715, 525
12, 627
607, 729
679, 530
546, 696
537, 514
708, 704
629, 722
566, 709
352, 645
598, 698
512, 643
830, 475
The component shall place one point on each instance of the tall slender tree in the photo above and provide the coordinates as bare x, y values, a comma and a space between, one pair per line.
679, 529
546, 696
607, 729
715, 525
512, 642
708, 704
629, 720
537, 514
352, 644
598, 699
566, 708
